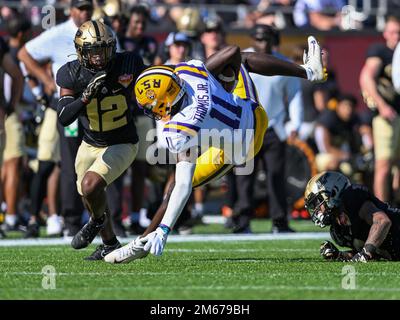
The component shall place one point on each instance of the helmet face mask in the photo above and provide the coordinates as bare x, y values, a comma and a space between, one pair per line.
323, 196
95, 45
321, 213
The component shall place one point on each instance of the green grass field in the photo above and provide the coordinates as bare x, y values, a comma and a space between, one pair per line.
275, 269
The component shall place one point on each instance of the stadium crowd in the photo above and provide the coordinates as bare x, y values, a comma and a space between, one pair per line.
38, 155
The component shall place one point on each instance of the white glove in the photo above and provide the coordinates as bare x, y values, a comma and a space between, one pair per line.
155, 241
313, 62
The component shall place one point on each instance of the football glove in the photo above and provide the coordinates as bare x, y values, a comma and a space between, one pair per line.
362, 256
93, 86
155, 241
328, 250
313, 62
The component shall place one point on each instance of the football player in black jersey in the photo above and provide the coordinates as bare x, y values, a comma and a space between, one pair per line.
357, 219
98, 88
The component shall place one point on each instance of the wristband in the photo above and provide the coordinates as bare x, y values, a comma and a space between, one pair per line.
165, 228
370, 248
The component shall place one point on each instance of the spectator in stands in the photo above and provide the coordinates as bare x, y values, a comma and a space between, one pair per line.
273, 93
319, 14
191, 23
135, 39
377, 86
177, 46
213, 35
335, 134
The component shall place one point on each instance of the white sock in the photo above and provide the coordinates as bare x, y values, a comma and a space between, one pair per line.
11, 219
143, 220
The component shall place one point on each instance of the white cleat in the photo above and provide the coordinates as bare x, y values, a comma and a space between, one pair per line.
132, 251
54, 225
313, 62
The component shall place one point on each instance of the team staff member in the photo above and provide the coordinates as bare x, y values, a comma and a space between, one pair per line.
97, 88
56, 45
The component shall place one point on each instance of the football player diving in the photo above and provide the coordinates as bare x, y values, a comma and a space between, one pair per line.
197, 100
357, 219
97, 88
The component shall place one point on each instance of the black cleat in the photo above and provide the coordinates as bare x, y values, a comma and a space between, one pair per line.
102, 250
119, 229
285, 229
32, 230
86, 235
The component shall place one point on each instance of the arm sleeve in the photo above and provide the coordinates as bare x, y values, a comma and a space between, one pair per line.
396, 69
179, 196
68, 109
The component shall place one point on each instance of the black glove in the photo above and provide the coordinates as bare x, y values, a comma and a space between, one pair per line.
328, 250
93, 86
362, 256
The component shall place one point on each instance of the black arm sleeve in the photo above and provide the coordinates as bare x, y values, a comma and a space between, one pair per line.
68, 109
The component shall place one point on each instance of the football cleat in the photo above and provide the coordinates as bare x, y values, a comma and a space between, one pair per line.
132, 251
54, 225
313, 62
102, 250
86, 235
32, 230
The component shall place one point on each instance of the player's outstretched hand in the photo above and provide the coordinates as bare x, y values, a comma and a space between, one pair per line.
93, 86
313, 62
328, 250
155, 241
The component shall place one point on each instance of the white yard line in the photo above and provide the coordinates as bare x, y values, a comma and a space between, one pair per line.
180, 238
218, 288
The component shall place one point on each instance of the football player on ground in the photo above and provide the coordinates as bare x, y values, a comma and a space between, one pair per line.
196, 102
357, 219
97, 88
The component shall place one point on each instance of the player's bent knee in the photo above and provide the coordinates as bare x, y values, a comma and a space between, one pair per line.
92, 185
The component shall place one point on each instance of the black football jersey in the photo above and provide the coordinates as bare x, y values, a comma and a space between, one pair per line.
108, 118
353, 199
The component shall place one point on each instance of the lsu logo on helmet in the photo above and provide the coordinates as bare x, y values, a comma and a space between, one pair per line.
157, 90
